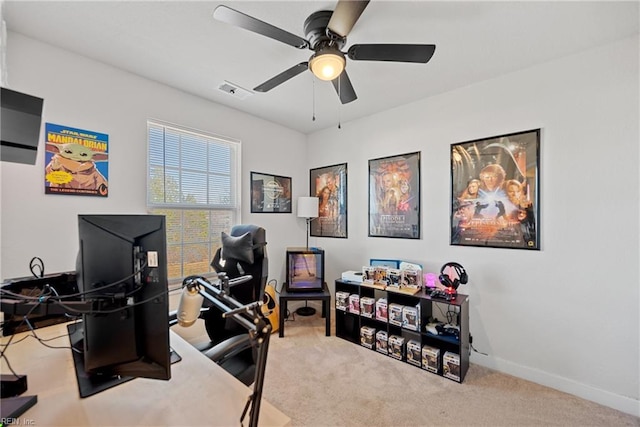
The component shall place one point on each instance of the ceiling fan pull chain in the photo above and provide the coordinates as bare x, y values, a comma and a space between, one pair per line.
339, 96
313, 98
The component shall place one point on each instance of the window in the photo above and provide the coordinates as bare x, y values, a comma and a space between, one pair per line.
193, 179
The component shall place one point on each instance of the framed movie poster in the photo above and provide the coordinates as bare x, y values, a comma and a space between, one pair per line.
329, 185
495, 188
270, 193
394, 196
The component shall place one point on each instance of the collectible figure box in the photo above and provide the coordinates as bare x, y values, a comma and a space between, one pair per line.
396, 347
367, 336
381, 342
411, 318
366, 306
354, 303
342, 300
368, 274
381, 309
395, 314
305, 270
451, 366
381, 275
430, 358
411, 278
395, 277
413, 353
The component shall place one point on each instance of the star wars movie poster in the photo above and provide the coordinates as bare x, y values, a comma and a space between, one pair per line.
394, 196
76, 161
329, 185
495, 184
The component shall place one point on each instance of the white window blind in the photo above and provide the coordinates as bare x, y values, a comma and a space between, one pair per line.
193, 179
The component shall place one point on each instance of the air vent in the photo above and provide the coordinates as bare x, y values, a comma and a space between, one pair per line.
234, 90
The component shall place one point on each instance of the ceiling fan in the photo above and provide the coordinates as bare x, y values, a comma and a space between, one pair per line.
326, 34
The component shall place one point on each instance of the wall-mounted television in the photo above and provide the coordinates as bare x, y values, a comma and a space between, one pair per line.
305, 269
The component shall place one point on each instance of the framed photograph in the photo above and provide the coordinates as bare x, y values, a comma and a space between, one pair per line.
329, 184
495, 187
394, 196
270, 193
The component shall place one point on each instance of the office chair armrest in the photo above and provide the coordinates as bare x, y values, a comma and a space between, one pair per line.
228, 348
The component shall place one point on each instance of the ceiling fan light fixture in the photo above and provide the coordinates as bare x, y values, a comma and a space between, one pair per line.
327, 64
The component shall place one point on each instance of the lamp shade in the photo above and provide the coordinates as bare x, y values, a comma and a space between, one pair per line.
327, 64
308, 207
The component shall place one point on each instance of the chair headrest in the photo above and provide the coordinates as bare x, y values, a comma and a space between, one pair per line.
258, 236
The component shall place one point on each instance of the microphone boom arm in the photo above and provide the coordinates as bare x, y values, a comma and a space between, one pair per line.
250, 317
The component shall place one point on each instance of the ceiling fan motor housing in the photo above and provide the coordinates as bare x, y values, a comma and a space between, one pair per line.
315, 30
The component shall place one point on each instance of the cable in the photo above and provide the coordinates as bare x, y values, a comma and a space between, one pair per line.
36, 263
115, 310
78, 294
451, 315
8, 364
24, 319
275, 285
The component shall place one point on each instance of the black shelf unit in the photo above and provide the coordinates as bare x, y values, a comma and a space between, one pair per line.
348, 324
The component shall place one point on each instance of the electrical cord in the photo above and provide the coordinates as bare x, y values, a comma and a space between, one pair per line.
101, 288
451, 315
36, 263
78, 294
43, 342
290, 315
24, 319
115, 310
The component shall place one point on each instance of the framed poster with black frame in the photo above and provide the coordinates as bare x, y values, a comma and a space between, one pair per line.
495, 186
270, 193
394, 196
329, 184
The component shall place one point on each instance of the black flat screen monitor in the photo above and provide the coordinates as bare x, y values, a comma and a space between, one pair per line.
122, 269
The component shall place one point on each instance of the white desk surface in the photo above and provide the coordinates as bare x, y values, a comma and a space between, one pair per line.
199, 392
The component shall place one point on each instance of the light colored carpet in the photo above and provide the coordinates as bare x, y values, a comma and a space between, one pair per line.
327, 381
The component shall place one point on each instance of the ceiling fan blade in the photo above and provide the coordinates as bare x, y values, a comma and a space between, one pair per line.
392, 52
345, 16
239, 19
282, 77
344, 88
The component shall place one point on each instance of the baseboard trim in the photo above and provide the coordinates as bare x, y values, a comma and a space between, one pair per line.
603, 397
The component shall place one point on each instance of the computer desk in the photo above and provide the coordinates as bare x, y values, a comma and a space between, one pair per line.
199, 392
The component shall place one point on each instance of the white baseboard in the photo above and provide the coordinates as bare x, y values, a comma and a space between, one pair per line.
621, 403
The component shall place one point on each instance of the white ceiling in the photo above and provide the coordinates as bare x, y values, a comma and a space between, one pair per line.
180, 44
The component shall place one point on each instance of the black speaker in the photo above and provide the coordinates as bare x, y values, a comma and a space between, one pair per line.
20, 126
456, 281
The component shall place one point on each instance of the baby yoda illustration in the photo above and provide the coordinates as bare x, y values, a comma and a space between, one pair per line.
73, 166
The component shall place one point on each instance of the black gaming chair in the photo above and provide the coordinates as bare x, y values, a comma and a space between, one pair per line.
243, 252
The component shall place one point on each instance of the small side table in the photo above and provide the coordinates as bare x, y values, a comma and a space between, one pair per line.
324, 296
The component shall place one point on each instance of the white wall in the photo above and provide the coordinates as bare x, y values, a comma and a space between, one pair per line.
86, 94
565, 316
